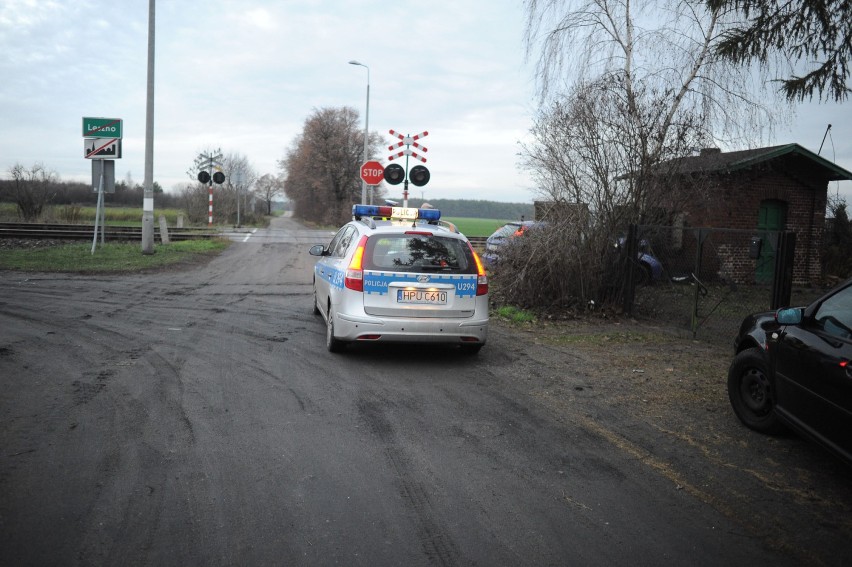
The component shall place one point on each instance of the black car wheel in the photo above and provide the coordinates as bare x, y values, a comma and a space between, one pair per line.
750, 392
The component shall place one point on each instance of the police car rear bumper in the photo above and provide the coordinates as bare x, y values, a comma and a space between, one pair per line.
355, 327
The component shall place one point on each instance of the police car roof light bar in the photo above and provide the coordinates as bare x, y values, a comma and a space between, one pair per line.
359, 211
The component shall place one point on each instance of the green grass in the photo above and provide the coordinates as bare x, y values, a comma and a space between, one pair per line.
126, 216
74, 214
475, 227
8, 212
108, 258
515, 315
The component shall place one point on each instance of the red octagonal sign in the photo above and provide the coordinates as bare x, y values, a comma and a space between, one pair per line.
372, 173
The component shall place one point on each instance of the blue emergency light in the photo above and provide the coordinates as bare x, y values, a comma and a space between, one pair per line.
395, 212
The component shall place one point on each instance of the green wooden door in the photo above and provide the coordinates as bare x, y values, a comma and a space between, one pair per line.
772, 219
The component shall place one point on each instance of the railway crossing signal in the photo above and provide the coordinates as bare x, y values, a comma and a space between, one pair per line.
408, 141
419, 175
204, 177
395, 174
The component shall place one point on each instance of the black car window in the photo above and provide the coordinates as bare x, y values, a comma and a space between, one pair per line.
345, 241
336, 240
834, 316
418, 253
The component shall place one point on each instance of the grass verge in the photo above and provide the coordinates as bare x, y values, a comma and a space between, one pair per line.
515, 315
110, 257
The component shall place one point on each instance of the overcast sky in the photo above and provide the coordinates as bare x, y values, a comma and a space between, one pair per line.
244, 75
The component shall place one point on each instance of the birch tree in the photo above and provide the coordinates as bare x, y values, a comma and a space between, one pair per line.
625, 88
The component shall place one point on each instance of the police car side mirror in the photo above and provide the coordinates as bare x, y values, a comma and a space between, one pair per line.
317, 250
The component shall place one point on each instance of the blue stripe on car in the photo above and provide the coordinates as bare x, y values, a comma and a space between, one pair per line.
332, 276
377, 282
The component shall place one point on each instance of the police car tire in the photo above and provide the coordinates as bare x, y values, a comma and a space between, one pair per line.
470, 349
331, 343
316, 305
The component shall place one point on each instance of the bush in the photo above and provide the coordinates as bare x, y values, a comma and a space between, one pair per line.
554, 267
837, 262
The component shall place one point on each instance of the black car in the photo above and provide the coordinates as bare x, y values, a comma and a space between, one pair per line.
792, 370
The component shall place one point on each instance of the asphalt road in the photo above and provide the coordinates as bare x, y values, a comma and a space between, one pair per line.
195, 418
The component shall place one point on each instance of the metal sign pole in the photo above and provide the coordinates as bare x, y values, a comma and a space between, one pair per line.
103, 205
210, 193
405, 186
98, 209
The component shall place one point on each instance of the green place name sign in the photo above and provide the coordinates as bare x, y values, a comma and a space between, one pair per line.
101, 127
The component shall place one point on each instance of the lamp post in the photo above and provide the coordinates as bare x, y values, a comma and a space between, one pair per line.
366, 128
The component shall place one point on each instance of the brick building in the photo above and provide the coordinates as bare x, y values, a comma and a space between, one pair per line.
764, 190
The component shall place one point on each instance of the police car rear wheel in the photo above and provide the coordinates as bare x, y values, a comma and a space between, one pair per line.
332, 343
470, 349
316, 305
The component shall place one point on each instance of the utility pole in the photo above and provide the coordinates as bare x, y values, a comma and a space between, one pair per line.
148, 198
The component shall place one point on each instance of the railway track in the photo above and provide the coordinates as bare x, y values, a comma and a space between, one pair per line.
86, 231
53, 231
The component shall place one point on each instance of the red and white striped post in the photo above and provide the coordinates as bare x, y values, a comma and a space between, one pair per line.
210, 205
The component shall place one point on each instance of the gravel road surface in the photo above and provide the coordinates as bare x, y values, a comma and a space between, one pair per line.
194, 417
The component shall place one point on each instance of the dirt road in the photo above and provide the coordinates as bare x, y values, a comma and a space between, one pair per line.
195, 418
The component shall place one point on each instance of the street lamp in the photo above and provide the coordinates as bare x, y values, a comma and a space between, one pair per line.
366, 128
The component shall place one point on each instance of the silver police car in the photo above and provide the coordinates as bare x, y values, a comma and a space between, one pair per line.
398, 274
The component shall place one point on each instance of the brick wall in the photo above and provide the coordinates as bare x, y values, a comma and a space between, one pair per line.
733, 201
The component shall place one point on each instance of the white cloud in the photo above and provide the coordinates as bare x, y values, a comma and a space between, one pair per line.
244, 75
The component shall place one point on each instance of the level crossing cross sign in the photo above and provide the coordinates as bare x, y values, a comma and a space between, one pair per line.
372, 172
408, 141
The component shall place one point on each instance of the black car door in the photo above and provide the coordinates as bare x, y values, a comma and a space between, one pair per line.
814, 374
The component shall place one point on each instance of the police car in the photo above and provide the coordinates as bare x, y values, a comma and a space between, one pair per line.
398, 274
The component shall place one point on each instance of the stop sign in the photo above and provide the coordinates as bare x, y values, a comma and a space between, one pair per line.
372, 172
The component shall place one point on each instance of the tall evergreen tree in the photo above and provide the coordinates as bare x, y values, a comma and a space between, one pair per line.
815, 36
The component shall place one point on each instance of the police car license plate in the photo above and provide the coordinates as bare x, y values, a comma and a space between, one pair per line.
421, 296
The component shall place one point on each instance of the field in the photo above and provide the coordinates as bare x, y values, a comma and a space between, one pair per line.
73, 214
132, 216
476, 227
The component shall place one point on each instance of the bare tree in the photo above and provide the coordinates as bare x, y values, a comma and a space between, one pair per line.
32, 189
193, 199
665, 49
239, 177
594, 180
627, 87
321, 166
267, 188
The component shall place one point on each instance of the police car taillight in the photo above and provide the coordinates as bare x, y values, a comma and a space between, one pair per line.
354, 279
481, 278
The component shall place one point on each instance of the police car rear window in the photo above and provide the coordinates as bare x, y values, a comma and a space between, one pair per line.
418, 253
